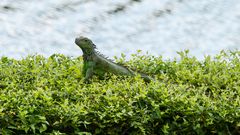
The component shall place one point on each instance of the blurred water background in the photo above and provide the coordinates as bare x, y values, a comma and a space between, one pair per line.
160, 27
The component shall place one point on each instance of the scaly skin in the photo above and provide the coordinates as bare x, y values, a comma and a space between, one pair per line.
95, 64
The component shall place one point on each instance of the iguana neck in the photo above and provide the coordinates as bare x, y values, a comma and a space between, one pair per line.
88, 54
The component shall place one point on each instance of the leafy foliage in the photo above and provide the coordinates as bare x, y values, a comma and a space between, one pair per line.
47, 96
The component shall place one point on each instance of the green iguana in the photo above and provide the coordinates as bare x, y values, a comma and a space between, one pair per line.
97, 64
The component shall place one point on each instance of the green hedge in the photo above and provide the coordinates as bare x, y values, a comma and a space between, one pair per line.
41, 95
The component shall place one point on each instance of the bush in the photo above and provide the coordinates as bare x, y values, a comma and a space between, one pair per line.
47, 96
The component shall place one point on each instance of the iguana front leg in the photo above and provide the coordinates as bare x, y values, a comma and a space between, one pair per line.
89, 71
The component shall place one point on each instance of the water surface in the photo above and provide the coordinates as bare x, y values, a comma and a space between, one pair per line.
160, 27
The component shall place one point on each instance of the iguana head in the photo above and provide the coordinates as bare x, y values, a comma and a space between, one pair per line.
85, 44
